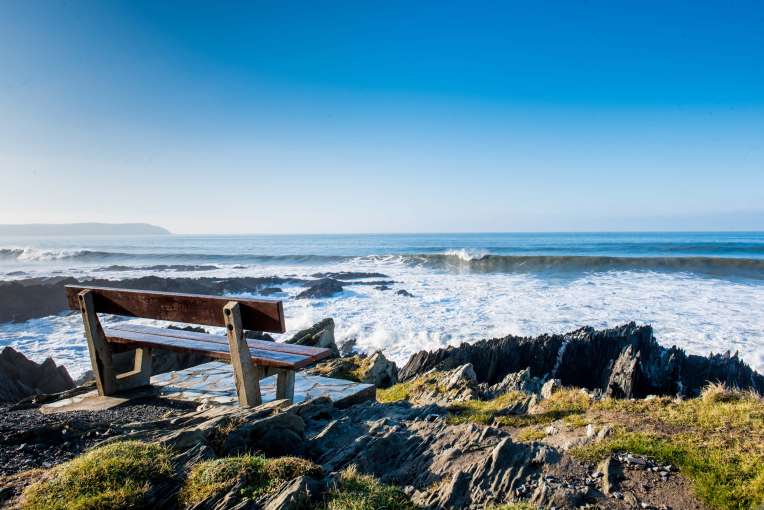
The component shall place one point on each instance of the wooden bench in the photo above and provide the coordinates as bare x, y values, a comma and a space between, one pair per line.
251, 359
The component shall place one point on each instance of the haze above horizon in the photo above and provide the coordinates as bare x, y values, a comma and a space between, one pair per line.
299, 118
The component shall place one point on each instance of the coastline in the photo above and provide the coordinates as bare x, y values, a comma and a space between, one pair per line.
587, 418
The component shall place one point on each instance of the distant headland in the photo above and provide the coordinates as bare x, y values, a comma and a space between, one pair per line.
81, 229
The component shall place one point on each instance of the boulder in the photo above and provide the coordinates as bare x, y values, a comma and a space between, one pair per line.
320, 334
324, 288
378, 370
404, 293
516, 381
21, 377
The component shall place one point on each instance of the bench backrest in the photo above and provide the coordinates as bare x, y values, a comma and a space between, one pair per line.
256, 314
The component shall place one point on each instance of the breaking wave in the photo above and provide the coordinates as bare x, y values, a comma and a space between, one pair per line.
486, 263
41, 255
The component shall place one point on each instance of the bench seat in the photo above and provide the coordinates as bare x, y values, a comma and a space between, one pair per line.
263, 353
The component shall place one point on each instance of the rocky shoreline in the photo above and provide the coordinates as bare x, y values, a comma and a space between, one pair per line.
589, 419
32, 298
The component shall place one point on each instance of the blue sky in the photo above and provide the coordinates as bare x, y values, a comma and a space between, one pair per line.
224, 117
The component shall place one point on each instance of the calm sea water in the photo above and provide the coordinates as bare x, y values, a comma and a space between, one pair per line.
701, 291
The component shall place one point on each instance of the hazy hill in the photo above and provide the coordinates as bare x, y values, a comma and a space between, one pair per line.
80, 229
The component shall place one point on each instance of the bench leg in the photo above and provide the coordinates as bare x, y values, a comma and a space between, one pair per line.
244, 372
285, 385
140, 375
100, 352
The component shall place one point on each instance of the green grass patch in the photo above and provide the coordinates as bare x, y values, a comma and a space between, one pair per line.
355, 491
117, 475
484, 411
716, 440
260, 475
407, 390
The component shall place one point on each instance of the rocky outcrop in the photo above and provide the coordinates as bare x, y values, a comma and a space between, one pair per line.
378, 370
404, 293
320, 334
625, 361
324, 288
21, 300
21, 377
374, 369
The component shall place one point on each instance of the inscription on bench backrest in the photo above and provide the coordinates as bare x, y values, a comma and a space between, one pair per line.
256, 314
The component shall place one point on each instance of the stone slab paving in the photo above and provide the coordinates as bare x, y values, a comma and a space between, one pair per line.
213, 383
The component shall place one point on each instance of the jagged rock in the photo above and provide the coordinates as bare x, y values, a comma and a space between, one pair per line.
374, 369
611, 475
277, 435
445, 388
320, 334
462, 374
269, 291
379, 371
21, 377
586, 358
346, 349
299, 494
324, 288
404, 293
86, 377
550, 387
623, 374
400, 445
547, 496
381, 287
516, 381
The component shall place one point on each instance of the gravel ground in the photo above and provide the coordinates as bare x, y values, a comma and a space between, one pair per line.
30, 439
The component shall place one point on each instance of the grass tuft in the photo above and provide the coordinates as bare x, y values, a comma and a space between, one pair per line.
530, 434
260, 476
355, 491
117, 475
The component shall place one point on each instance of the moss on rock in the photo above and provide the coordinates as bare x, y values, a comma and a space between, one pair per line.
118, 475
356, 491
258, 474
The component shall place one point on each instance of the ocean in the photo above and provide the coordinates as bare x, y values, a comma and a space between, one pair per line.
702, 291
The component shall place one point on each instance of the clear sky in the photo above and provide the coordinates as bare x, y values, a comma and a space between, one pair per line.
220, 117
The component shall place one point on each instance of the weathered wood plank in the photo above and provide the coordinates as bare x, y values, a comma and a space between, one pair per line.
217, 350
313, 353
256, 314
245, 374
285, 385
98, 347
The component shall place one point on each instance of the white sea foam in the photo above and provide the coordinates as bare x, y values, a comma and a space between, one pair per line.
466, 255
696, 313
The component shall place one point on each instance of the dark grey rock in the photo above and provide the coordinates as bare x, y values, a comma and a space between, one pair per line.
587, 358
324, 288
21, 377
320, 334
404, 292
